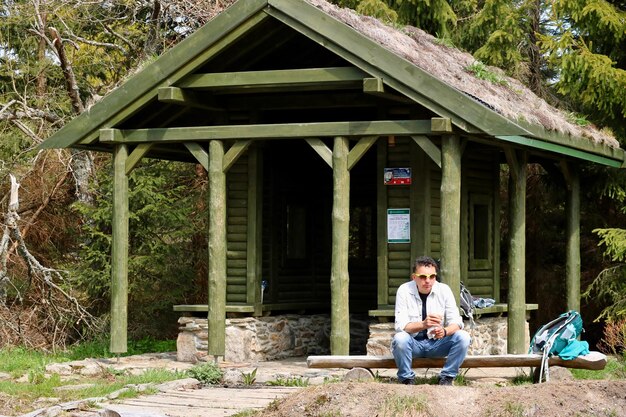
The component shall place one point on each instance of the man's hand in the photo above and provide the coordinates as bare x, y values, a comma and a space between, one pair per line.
432, 320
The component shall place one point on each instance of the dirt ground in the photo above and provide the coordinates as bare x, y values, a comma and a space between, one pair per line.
358, 399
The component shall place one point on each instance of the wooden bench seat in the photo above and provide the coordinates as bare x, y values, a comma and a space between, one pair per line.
593, 361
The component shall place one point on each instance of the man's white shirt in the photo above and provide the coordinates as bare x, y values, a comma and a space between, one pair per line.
440, 300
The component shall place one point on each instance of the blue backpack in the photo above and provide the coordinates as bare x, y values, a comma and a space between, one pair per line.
559, 337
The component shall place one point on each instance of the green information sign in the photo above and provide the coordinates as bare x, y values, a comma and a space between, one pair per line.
399, 225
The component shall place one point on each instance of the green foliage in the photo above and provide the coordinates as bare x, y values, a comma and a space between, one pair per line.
249, 378
403, 405
482, 72
378, 9
290, 381
513, 409
99, 348
610, 284
207, 373
18, 360
523, 379
165, 227
586, 48
578, 119
246, 413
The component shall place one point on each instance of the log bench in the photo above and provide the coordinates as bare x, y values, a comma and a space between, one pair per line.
593, 361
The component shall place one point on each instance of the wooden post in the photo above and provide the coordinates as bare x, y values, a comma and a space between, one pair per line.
119, 253
217, 250
339, 278
516, 322
255, 235
381, 226
451, 151
572, 264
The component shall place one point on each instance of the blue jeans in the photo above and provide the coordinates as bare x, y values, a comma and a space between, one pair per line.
404, 348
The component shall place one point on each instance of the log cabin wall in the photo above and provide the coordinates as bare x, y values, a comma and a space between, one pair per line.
237, 231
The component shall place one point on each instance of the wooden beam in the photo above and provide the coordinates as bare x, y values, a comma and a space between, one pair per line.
217, 251
339, 277
593, 361
254, 247
178, 96
269, 131
234, 153
373, 86
382, 248
357, 152
571, 142
572, 231
204, 308
441, 125
512, 161
429, 148
201, 155
293, 79
322, 150
119, 253
451, 213
586, 154
516, 319
136, 155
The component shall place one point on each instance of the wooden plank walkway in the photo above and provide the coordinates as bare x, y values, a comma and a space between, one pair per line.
206, 402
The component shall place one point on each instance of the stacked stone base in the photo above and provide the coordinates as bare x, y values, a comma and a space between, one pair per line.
258, 339
268, 338
489, 337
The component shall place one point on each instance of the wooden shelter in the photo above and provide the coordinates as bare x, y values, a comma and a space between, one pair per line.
338, 149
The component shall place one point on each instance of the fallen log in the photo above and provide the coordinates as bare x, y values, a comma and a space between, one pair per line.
593, 361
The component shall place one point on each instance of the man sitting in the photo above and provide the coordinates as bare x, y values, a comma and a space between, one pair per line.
428, 324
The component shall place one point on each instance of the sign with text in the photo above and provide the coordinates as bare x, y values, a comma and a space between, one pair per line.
399, 225
397, 176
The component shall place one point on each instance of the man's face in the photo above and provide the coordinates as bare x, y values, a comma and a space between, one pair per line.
425, 277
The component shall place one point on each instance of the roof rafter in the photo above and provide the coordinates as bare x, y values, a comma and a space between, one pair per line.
269, 131
291, 80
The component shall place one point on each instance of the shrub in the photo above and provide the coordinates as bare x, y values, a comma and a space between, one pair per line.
208, 373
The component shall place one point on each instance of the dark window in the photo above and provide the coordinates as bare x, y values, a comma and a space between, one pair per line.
296, 232
480, 239
361, 233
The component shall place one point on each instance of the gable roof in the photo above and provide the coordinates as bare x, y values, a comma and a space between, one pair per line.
273, 37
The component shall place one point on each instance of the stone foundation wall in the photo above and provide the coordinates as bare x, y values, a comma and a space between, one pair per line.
268, 338
489, 337
252, 339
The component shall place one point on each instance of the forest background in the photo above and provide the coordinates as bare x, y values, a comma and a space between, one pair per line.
58, 57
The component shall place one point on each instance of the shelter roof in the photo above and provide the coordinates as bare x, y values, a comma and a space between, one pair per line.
266, 69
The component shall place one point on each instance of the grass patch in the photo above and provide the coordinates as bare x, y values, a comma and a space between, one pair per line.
290, 382
18, 361
46, 387
246, 413
514, 409
615, 369
523, 379
400, 405
482, 72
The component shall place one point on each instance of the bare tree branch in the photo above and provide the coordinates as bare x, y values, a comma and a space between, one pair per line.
53, 306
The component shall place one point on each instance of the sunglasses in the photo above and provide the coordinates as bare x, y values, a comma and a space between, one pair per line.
422, 276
